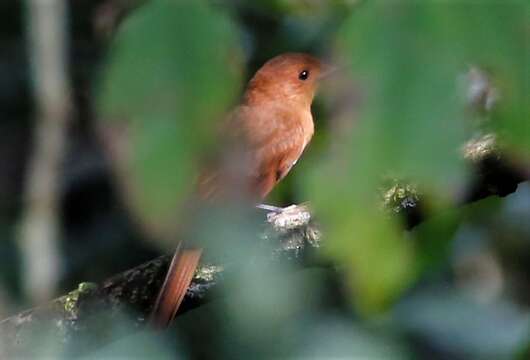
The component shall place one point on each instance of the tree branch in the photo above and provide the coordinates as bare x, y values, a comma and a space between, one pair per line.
72, 317
80, 313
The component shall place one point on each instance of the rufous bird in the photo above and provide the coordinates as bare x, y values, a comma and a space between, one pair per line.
263, 138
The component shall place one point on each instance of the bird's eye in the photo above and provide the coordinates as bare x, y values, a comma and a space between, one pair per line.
303, 75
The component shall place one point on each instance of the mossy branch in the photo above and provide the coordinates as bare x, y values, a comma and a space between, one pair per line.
78, 315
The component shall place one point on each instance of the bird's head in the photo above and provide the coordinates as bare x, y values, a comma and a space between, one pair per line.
290, 77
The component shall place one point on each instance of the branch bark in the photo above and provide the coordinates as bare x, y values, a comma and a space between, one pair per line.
79, 314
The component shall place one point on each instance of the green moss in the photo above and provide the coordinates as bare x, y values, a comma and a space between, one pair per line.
397, 193
69, 301
478, 149
207, 272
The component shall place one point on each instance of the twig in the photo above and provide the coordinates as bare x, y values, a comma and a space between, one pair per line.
39, 227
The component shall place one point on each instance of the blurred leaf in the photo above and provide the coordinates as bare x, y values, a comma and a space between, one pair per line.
406, 58
433, 239
336, 338
411, 122
477, 330
366, 241
305, 7
142, 345
496, 37
173, 73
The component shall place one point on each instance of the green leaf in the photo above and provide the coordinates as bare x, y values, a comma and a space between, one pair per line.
406, 58
173, 74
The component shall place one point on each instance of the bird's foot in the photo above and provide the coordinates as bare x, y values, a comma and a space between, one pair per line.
288, 217
270, 208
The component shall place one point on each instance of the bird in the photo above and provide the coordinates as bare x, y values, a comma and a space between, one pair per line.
259, 141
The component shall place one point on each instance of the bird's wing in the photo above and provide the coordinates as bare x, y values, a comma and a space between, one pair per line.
260, 146
274, 141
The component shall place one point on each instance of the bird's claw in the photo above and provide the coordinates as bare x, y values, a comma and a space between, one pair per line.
271, 208
292, 216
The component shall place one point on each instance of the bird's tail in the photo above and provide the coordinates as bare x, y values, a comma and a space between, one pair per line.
174, 288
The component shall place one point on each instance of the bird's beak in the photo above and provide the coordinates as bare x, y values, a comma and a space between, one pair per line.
327, 71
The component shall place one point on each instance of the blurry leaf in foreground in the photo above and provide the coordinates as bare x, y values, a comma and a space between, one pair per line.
406, 59
267, 308
412, 120
172, 74
378, 261
305, 7
433, 239
492, 331
496, 37
336, 338
142, 345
